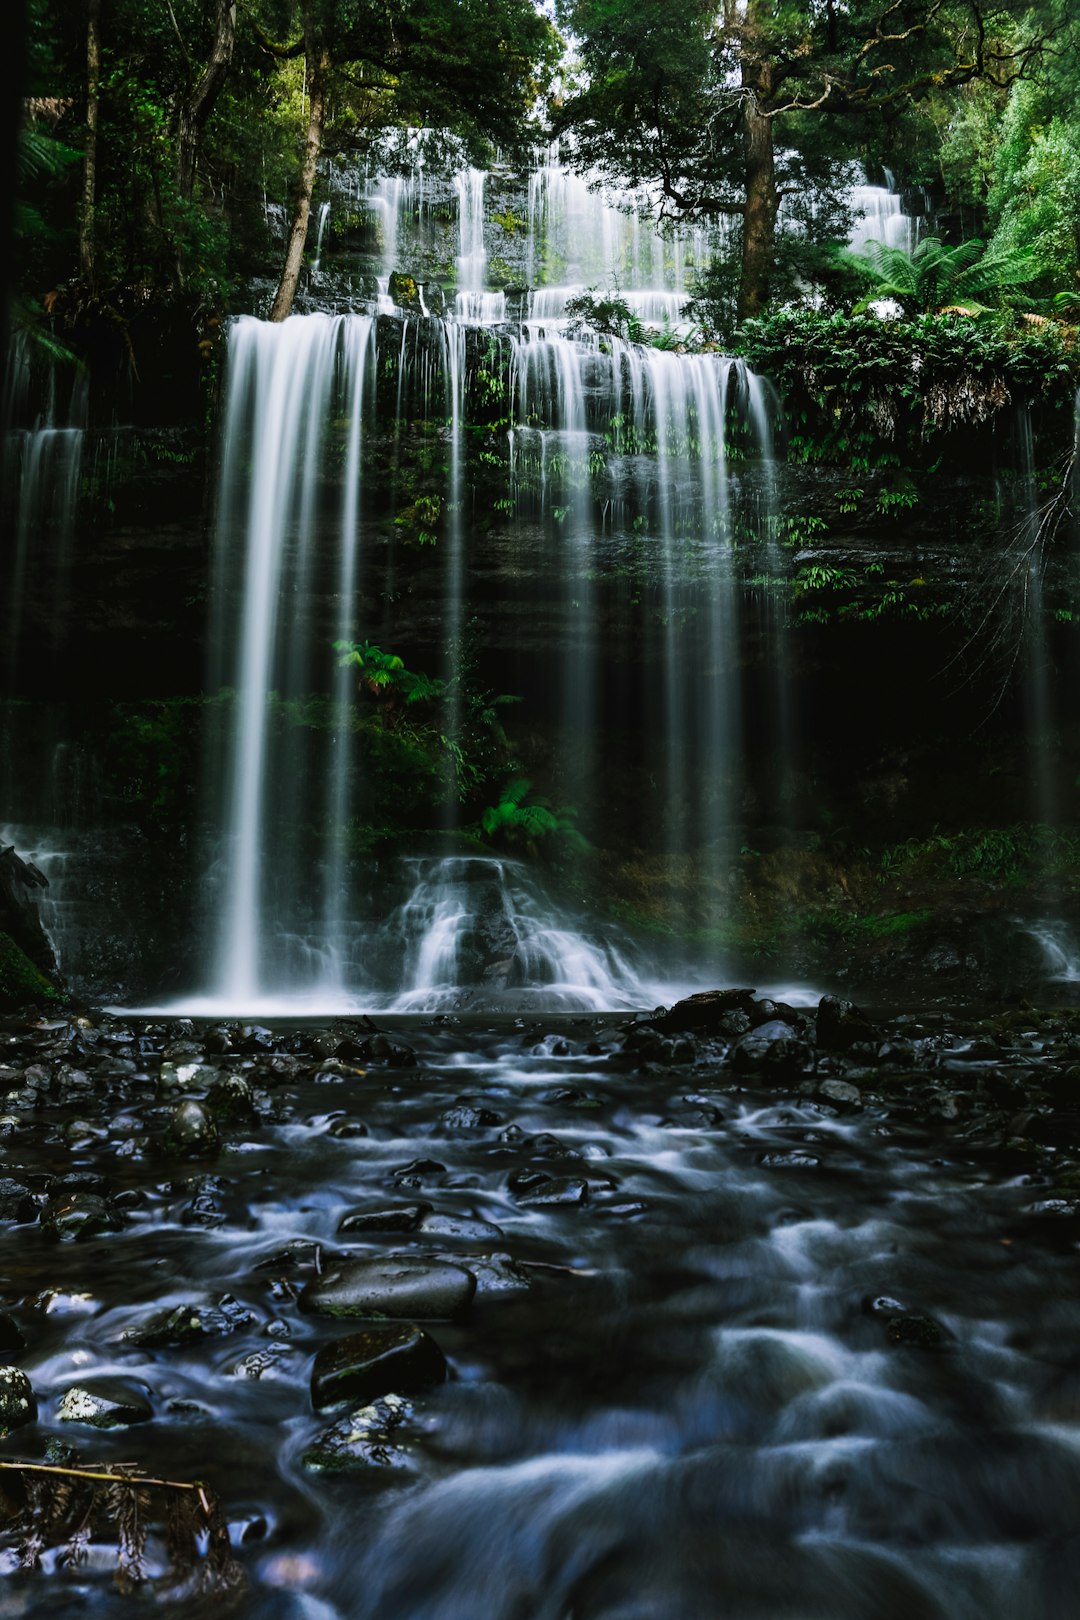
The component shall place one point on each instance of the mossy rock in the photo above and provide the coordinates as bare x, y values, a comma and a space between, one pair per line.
20, 981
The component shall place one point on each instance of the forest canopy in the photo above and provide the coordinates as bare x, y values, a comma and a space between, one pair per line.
153, 134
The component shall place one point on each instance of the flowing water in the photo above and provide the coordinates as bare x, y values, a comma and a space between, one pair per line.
743, 1357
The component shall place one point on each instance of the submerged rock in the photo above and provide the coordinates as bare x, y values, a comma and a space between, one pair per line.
190, 1324
398, 1356
78, 1216
363, 1440
402, 1286
17, 1402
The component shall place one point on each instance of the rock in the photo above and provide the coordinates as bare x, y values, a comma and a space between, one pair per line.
840, 1024
793, 1160
405, 1218
841, 1094
467, 1117
362, 1441
17, 1402
346, 1128
401, 1286
16, 1201
417, 1172
190, 1324
771, 1046
12, 1342
399, 1356
555, 1193
191, 1076
230, 1098
917, 1332
459, 1226
78, 1216
192, 1133
105, 1403
701, 1014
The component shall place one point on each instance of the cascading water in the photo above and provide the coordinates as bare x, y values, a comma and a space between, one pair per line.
616, 449
43, 458
880, 217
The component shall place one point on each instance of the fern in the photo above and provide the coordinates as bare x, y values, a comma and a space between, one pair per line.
935, 277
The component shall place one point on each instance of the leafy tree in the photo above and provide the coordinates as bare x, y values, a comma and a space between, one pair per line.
709, 109
475, 65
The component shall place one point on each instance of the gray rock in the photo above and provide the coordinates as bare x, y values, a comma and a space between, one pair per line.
395, 1356
458, 1226
840, 1024
401, 1286
362, 1441
105, 1403
841, 1093
17, 1402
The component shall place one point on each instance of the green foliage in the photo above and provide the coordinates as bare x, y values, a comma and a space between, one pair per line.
524, 817
385, 677
865, 393
21, 983
608, 313
935, 277
1022, 853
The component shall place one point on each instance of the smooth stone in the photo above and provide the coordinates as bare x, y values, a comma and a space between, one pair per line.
17, 1402
75, 1217
789, 1161
840, 1024
399, 1356
105, 1403
362, 1441
399, 1287
406, 1218
841, 1092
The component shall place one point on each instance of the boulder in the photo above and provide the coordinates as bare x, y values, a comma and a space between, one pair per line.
402, 1286
840, 1024
379, 1359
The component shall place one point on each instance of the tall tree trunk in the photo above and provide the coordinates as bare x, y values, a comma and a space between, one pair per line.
317, 64
89, 196
759, 222
200, 104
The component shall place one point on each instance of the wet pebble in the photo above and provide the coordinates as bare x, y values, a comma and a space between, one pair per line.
402, 1286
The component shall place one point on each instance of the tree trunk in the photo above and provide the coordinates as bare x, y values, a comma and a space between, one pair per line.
317, 63
200, 104
89, 196
759, 223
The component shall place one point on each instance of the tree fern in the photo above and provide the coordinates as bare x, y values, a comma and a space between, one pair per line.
936, 277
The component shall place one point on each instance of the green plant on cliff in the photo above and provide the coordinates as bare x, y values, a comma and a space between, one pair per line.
935, 277
523, 817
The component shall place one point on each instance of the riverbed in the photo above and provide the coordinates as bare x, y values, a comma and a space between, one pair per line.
787, 1335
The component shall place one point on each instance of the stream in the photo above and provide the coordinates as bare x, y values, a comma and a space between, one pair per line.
757, 1346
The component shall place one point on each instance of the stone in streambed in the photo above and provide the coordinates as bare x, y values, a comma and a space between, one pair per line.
191, 1133
395, 1356
362, 1441
398, 1287
17, 1403
840, 1024
105, 1403
190, 1324
78, 1216
555, 1193
404, 1218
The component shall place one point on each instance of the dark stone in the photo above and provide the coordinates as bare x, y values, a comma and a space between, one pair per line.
467, 1117
556, 1193
840, 1024
842, 1094
12, 1342
105, 1403
190, 1324
17, 1402
916, 1332
458, 1226
417, 1171
701, 1014
77, 1217
399, 1356
771, 1046
406, 1218
363, 1441
401, 1286
192, 1132
230, 1098
793, 1160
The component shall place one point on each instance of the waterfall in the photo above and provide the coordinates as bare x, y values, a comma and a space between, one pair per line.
618, 453
42, 460
324, 215
880, 218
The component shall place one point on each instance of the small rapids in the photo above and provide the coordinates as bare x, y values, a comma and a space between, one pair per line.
731, 1350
